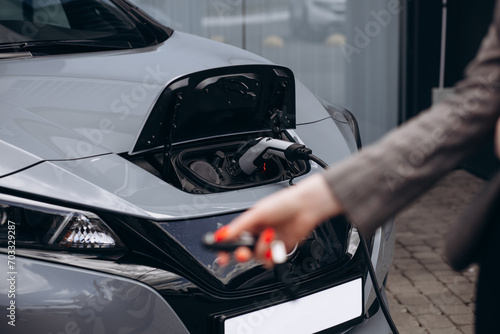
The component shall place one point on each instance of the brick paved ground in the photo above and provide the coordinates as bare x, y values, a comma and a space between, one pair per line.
425, 294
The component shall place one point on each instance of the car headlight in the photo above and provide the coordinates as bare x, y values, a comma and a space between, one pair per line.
41, 225
353, 241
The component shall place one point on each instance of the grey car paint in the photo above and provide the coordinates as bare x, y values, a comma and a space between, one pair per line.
55, 112
18, 158
30, 138
105, 105
111, 182
51, 118
81, 301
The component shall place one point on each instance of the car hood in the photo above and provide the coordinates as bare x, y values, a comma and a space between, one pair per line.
64, 121
82, 105
110, 182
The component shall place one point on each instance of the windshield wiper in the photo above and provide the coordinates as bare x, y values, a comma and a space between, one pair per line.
70, 45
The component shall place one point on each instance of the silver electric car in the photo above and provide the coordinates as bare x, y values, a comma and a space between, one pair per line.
122, 143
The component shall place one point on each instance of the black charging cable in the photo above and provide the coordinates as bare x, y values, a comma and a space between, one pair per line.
317, 160
376, 286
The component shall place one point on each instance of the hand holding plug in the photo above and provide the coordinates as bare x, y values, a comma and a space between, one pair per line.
278, 222
265, 247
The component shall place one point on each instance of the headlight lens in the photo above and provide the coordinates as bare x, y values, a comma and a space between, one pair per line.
353, 241
41, 225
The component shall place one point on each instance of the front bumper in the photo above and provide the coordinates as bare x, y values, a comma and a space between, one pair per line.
46, 297
57, 297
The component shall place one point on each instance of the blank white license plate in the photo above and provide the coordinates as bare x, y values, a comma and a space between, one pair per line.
310, 314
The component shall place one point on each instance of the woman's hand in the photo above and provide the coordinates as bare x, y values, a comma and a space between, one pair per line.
288, 215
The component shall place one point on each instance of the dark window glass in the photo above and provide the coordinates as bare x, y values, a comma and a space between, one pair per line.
67, 20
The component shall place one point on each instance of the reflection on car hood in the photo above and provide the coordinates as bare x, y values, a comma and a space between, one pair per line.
101, 97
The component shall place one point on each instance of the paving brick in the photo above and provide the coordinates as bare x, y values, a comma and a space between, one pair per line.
403, 289
445, 298
397, 279
468, 297
410, 239
395, 306
460, 287
436, 243
419, 248
447, 331
411, 330
435, 321
436, 266
453, 279
419, 275
456, 309
413, 299
467, 329
427, 255
409, 264
430, 287
466, 292
404, 319
436, 259
394, 271
462, 319
423, 309
401, 253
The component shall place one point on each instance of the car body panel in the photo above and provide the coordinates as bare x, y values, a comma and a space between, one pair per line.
375, 324
381, 257
111, 182
103, 98
36, 139
18, 159
81, 301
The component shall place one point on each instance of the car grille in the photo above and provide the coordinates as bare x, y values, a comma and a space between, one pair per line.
326, 246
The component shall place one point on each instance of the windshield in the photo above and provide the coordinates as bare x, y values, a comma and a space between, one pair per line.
32, 25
